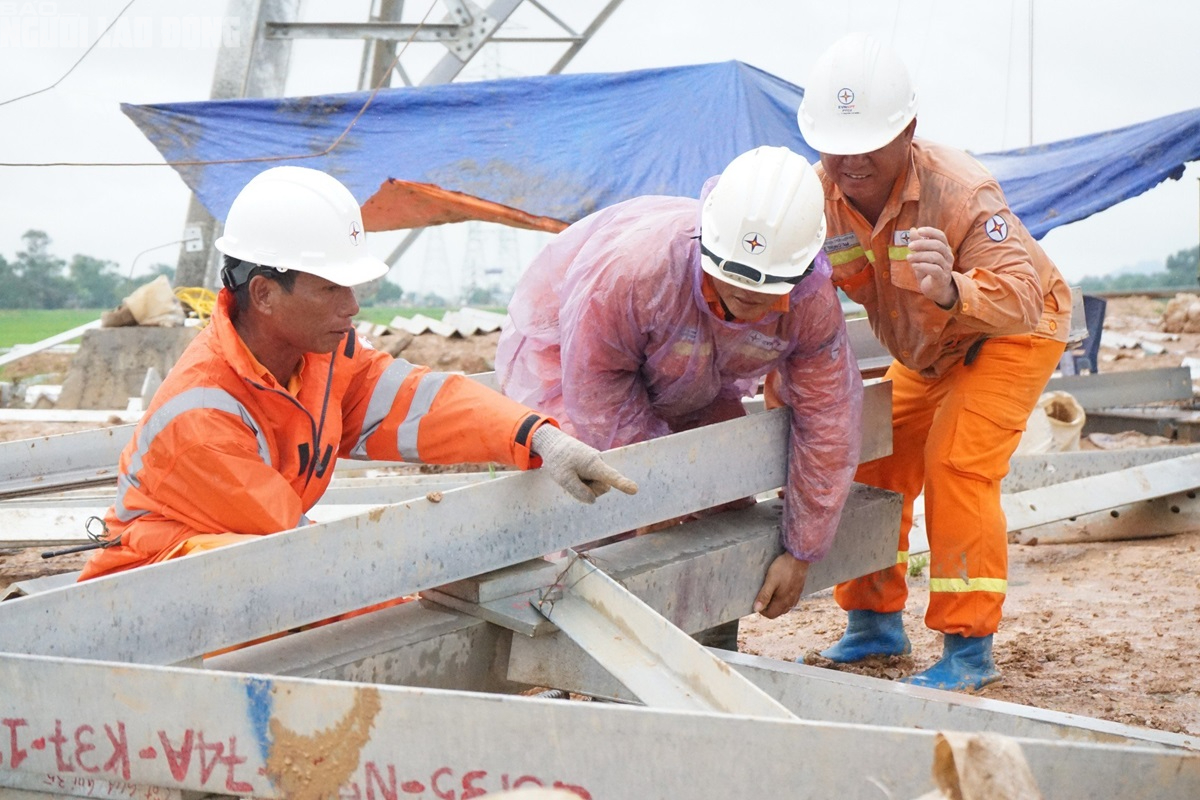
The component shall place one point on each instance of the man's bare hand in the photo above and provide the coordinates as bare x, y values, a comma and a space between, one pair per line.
782, 587
931, 259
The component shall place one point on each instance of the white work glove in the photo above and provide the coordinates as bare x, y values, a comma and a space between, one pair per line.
576, 466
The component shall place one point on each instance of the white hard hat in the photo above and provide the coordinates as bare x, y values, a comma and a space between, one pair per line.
763, 223
858, 98
302, 219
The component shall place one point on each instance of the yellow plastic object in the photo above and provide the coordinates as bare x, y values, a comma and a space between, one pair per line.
199, 300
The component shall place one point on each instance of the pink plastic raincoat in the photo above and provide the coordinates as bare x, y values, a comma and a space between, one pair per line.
610, 334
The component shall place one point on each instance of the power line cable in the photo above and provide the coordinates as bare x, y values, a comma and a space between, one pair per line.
257, 159
78, 61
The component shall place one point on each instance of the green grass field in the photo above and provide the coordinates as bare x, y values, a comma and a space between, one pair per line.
29, 325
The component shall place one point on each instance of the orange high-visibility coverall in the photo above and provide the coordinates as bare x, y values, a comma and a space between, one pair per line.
964, 380
225, 449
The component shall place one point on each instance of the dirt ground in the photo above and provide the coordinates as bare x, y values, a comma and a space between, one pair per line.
1107, 630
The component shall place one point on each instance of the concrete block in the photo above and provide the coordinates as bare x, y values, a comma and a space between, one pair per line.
111, 364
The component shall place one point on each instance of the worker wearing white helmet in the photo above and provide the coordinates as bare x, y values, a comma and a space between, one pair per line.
976, 316
659, 314
241, 437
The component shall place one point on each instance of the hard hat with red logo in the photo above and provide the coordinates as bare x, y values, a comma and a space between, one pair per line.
763, 223
302, 219
858, 98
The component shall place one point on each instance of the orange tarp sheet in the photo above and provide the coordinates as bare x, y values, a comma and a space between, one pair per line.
405, 204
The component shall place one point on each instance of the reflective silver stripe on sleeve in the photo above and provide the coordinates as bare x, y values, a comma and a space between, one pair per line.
382, 399
192, 399
406, 436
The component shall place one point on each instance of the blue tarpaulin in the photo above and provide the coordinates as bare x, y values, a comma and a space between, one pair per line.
533, 151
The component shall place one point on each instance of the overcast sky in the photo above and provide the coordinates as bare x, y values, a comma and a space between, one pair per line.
1096, 65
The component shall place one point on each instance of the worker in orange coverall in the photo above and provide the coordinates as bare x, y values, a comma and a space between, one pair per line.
659, 314
241, 438
976, 316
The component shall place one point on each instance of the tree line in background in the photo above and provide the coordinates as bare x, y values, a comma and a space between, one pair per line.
37, 278
1183, 272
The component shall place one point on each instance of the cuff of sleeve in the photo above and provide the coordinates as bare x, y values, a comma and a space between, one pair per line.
808, 556
523, 439
958, 303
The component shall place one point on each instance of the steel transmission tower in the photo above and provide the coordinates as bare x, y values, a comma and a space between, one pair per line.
257, 66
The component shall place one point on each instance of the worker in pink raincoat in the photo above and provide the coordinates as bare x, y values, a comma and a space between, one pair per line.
659, 314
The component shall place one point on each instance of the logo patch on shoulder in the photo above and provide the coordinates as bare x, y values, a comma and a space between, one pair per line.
835, 244
996, 228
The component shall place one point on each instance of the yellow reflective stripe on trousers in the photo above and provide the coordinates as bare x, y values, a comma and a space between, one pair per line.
997, 585
901, 556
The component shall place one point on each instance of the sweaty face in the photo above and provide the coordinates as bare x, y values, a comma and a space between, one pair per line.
867, 178
744, 304
315, 315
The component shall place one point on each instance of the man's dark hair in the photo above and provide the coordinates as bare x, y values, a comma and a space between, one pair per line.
235, 268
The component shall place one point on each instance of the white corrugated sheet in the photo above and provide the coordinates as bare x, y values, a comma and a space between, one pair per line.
464, 322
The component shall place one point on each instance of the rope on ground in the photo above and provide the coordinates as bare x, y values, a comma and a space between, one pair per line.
199, 300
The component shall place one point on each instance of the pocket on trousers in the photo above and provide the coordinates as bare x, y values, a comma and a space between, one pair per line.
986, 434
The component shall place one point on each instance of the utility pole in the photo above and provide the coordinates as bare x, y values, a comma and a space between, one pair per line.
1031, 73
252, 66
257, 66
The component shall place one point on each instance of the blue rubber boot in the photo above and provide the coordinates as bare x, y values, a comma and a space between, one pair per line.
966, 665
869, 633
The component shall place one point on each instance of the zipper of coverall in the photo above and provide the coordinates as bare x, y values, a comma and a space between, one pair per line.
316, 464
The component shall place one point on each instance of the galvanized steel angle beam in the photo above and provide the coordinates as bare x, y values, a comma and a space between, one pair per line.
219, 598
699, 574
1145, 519
824, 695
283, 737
87, 458
1176, 424
416, 644
54, 463
659, 663
1099, 492
1032, 471
1108, 389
